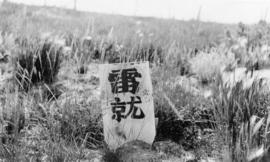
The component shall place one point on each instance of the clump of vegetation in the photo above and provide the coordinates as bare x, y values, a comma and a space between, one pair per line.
149, 53
190, 119
37, 64
208, 65
81, 124
240, 115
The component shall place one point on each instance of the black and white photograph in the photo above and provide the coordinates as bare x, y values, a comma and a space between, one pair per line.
134, 80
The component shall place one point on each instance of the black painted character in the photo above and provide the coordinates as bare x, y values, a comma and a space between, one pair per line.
123, 81
119, 109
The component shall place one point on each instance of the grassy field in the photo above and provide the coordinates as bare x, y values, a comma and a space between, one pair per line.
49, 85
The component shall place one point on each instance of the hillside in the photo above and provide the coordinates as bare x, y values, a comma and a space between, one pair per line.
36, 20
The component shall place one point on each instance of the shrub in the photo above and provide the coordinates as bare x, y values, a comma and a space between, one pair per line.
208, 65
183, 129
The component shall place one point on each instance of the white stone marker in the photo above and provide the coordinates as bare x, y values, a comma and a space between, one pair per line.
127, 103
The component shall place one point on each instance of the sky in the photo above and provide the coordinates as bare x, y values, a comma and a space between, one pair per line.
223, 11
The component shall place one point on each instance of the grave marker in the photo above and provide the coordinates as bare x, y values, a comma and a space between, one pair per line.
127, 103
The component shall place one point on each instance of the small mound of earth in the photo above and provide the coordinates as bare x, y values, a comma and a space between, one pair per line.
173, 152
134, 151
169, 148
139, 151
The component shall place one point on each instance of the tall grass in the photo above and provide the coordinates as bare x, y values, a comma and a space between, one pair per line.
241, 115
35, 129
37, 64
